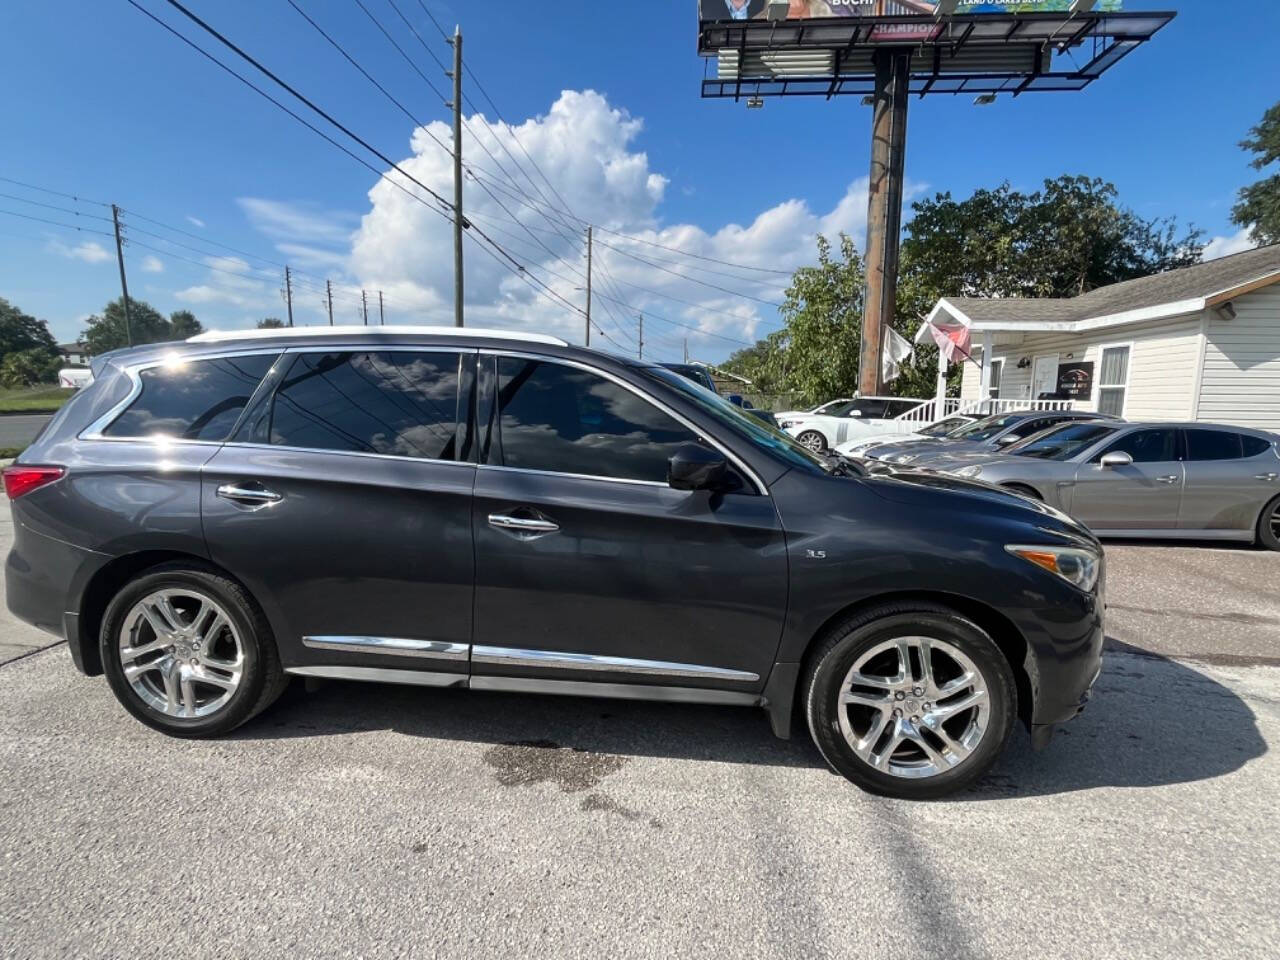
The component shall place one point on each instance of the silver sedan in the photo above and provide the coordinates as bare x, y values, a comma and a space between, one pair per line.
1190, 481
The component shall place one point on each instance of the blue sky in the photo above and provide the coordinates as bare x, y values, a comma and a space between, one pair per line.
98, 101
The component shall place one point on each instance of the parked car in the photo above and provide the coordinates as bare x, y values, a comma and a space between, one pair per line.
695, 372
935, 431
984, 436
470, 508
832, 408
856, 419
1170, 481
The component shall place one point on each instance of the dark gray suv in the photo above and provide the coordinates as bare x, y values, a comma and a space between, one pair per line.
474, 509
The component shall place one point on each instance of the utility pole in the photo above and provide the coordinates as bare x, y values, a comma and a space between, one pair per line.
328, 291
641, 340
884, 213
288, 293
364, 305
686, 349
588, 338
457, 177
382, 317
124, 286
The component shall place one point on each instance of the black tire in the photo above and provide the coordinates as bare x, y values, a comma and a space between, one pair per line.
1267, 535
816, 441
262, 677
1024, 490
838, 652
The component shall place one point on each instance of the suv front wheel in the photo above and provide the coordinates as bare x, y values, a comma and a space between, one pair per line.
911, 701
188, 652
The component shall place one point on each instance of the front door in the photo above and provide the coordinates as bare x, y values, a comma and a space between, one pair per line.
1044, 377
1143, 495
342, 505
590, 567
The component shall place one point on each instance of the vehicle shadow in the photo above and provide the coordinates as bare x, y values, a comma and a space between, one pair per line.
1152, 722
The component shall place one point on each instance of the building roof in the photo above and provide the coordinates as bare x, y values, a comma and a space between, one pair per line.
71, 347
1170, 294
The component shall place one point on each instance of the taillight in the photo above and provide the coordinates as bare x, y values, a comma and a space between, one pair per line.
21, 479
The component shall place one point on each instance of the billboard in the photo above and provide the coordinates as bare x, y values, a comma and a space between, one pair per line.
808, 9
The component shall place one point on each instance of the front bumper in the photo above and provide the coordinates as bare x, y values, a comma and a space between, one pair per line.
1042, 733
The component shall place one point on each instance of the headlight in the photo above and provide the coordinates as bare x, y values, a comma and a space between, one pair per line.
1076, 565
787, 424
970, 473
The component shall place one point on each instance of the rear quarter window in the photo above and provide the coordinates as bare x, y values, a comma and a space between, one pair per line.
196, 400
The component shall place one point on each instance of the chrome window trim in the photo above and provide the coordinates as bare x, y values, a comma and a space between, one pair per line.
391, 646
94, 431
574, 476
643, 395
419, 678
320, 451
564, 660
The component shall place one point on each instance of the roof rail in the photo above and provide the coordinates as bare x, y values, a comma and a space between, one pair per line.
218, 336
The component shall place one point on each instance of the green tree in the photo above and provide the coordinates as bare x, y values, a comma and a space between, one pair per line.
26, 368
183, 324
1259, 204
822, 310
271, 323
21, 331
107, 331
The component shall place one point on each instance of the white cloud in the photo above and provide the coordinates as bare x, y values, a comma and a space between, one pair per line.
585, 146
152, 265
1226, 246
234, 282
89, 251
195, 221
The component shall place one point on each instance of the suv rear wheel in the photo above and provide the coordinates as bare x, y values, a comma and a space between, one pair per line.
188, 652
910, 701
1269, 525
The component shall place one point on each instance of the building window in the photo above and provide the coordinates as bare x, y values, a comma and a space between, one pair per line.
997, 368
1113, 380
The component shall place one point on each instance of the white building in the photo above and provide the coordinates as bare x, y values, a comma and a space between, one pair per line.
1200, 343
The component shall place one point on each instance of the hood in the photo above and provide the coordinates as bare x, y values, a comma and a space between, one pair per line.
925, 488
927, 451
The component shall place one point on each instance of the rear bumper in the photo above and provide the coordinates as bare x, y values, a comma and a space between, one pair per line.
41, 574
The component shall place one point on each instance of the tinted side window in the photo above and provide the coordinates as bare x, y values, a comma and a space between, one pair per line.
402, 404
1148, 446
1213, 445
1029, 427
563, 419
200, 400
1254, 445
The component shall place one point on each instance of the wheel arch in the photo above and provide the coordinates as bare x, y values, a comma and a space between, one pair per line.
781, 691
108, 581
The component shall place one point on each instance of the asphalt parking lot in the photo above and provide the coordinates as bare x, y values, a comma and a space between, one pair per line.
361, 821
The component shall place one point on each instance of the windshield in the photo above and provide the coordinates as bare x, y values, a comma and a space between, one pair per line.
837, 408
743, 424
693, 372
1060, 442
987, 428
944, 427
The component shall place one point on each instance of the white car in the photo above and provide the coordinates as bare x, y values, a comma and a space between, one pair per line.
858, 448
834, 408
845, 420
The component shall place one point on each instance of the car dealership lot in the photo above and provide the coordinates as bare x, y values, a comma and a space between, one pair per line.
374, 821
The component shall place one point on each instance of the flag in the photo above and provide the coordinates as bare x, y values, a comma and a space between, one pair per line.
897, 351
952, 341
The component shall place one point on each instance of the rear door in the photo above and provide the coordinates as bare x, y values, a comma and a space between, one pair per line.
344, 504
1230, 478
1144, 495
589, 566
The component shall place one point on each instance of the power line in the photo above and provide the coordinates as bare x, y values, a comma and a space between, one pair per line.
68, 196
733, 293
51, 206
723, 263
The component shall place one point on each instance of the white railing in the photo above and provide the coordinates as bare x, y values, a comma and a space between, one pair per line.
929, 411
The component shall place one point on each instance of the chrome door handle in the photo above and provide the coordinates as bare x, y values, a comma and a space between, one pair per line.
522, 524
1172, 479
259, 496
1267, 477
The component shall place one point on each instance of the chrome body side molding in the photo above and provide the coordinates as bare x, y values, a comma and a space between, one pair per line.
559, 660
418, 678
616, 691
391, 646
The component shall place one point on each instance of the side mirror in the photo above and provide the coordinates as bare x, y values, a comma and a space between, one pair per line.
695, 467
1006, 440
735, 399
854, 413
1116, 458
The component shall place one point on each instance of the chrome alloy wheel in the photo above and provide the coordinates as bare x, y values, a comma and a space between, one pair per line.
812, 440
914, 707
181, 653
1275, 522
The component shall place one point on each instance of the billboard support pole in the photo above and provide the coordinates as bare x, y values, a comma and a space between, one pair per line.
884, 210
